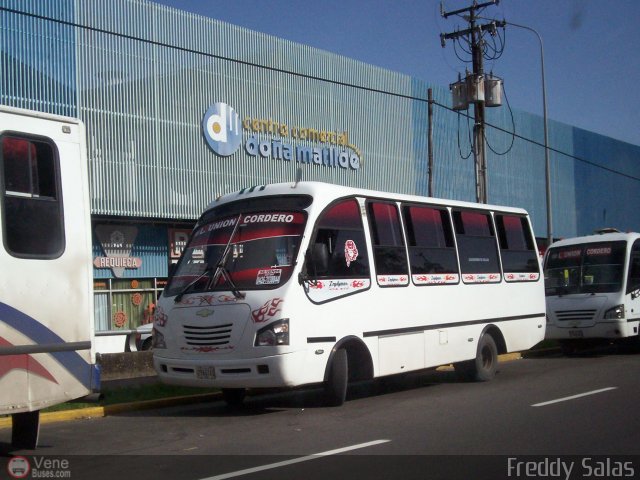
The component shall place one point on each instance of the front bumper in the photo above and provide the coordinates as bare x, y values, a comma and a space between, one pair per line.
612, 330
284, 370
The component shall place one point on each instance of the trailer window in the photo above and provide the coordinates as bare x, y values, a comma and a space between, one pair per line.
517, 248
389, 252
477, 247
32, 206
432, 252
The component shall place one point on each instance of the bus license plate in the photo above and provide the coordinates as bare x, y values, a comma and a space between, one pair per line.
576, 333
206, 373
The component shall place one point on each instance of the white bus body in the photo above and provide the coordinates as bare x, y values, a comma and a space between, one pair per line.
46, 303
593, 288
324, 289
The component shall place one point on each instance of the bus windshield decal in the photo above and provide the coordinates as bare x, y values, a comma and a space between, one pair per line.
260, 248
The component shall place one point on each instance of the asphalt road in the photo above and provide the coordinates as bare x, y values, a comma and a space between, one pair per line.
541, 416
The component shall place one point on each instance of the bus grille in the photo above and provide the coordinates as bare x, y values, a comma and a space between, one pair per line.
582, 315
203, 336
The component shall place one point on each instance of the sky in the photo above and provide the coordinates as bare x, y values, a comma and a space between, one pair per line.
591, 47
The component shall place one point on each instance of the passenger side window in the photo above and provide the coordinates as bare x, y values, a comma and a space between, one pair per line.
633, 282
33, 225
432, 252
517, 249
390, 255
477, 247
340, 234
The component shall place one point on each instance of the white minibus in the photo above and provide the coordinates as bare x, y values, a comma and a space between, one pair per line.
593, 289
46, 302
311, 283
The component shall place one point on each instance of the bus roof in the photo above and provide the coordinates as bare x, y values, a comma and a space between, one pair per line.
327, 192
38, 114
598, 237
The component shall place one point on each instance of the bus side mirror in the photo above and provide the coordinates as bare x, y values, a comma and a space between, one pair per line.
172, 269
318, 259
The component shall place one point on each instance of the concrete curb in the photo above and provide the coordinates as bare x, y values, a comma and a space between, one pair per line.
99, 412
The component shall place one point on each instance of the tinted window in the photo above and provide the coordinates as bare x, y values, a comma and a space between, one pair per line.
517, 248
432, 253
633, 281
256, 250
32, 206
476, 246
339, 230
389, 252
585, 268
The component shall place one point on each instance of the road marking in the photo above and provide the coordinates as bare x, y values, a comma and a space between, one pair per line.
295, 460
572, 397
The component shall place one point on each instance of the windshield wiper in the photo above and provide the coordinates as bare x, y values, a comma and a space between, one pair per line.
221, 268
207, 271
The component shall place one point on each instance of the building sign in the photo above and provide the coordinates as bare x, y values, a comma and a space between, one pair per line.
177, 242
117, 242
221, 127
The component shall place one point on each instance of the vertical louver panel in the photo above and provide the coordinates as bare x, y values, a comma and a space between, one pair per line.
142, 75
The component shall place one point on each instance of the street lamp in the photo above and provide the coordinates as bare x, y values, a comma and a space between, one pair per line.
546, 136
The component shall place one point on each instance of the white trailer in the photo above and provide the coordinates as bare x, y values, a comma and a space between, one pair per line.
593, 289
46, 303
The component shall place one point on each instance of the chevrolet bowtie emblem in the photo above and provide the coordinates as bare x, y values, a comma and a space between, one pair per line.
204, 313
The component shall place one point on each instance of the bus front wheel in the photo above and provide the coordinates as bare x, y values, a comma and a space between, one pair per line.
233, 397
335, 387
483, 367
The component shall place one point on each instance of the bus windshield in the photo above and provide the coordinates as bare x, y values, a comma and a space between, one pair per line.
585, 268
247, 250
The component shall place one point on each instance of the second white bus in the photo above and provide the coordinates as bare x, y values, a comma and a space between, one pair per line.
593, 289
286, 285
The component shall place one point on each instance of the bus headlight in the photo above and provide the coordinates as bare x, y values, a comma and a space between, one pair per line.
274, 334
615, 313
157, 339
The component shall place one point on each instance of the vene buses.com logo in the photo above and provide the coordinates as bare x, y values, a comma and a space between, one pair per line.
222, 129
18, 467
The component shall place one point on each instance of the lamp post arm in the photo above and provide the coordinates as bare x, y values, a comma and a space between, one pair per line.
546, 134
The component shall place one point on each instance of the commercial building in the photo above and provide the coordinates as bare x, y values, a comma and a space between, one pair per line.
180, 108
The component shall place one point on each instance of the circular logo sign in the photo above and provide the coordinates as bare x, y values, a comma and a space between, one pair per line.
222, 129
18, 467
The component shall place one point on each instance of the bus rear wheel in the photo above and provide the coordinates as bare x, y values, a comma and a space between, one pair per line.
335, 387
483, 367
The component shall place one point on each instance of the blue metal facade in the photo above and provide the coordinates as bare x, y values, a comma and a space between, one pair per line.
141, 76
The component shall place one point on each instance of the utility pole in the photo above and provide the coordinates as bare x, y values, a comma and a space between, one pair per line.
474, 83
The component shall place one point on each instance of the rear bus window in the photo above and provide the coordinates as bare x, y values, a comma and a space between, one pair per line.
31, 202
477, 247
432, 253
517, 249
390, 255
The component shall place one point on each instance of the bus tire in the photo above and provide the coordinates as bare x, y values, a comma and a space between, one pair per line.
335, 387
483, 367
25, 428
233, 397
